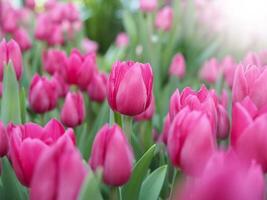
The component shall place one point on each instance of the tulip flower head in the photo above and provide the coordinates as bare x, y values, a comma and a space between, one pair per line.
130, 87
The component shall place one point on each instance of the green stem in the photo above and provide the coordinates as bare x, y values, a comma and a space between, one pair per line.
128, 126
173, 183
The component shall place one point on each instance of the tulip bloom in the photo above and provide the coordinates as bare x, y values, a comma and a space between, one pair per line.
122, 40
166, 128
252, 59
228, 66
10, 52
80, 69
210, 71
54, 60
3, 140
97, 89
249, 132
61, 86
148, 5
112, 152
190, 141
23, 39
164, 19
226, 178
42, 95
148, 113
28, 141
250, 80
177, 67
73, 110
60, 170
130, 87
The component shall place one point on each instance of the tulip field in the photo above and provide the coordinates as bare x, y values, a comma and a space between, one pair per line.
133, 100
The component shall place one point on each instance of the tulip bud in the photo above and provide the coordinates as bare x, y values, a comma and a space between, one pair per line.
148, 113
252, 59
130, 87
54, 60
166, 128
30, 4
60, 170
3, 140
122, 40
175, 105
112, 152
164, 19
89, 46
210, 71
80, 70
42, 95
73, 110
23, 39
27, 143
228, 66
62, 87
10, 52
190, 141
226, 178
97, 89
148, 5
177, 67
250, 81
223, 123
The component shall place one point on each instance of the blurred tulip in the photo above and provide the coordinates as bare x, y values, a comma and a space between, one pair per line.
28, 141
249, 132
60, 170
225, 178
73, 111
61, 86
252, 59
89, 46
3, 140
43, 95
148, 5
54, 60
250, 81
223, 123
177, 67
166, 128
97, 89
130, 87
112, 152
228, 66
190, 141
122, 40
30, 4
10, 52
148, 113
210, 71
164, 19
80, 69
23, 39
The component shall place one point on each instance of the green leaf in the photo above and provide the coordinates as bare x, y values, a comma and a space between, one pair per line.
152, 185
90, 188
131, 190
23, 105
11, 189
11, 98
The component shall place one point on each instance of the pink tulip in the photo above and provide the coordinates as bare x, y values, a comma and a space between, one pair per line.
89, 46
80, 69
27, 143
148, 113
113, 154
177, 67
43, 95
164, 19
223, 122
228, 66
202, 100
250, 81
23, 39
122, 40
252, 59
225, 178
54, 60
3, 140
130, 87
97, 89
10, 52
166, 128
73, 110
210, 71
10, 20
249, 132
60, 170
30, 4
61, 86
190, 141
148, 5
